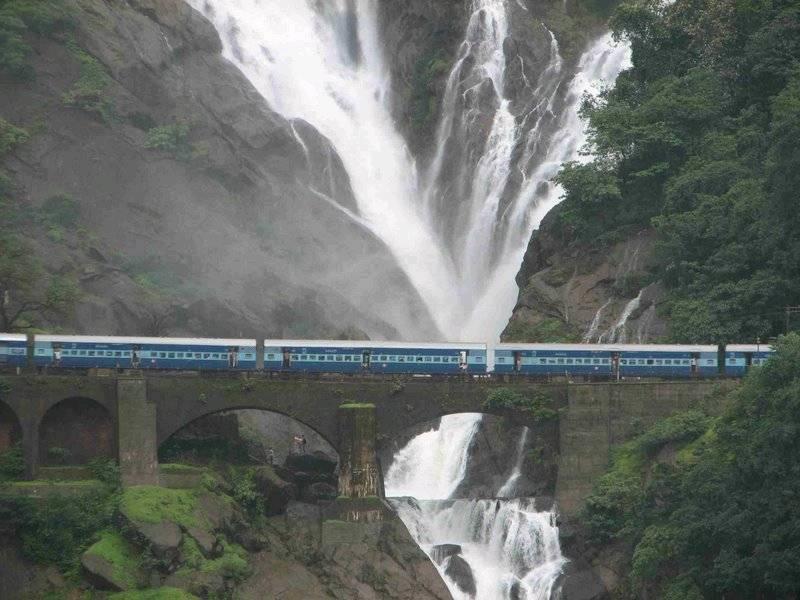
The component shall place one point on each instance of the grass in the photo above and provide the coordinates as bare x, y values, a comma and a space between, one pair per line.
232, 564
154, 504
356, 406
115, 550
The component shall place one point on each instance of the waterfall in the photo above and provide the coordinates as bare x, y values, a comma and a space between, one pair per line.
511, 548
458, 228
508, 488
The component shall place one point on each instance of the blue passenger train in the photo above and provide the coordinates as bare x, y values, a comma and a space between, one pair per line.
572, 361
320, 356
110, 352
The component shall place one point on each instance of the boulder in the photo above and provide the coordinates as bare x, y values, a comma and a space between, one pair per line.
317, 462
163, 538
461, 573
208, 544
200, 583
276, 492
442, 551
101, 573
319, 491
580, 582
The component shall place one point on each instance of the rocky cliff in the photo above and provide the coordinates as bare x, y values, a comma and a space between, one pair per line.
194, 202
576, 293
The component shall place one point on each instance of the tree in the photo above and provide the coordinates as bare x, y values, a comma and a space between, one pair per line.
26, 292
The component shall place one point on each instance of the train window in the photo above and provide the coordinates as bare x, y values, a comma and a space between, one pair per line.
91, 352
205, 355
499, 359
198, 355
117, 353
478, 359
401, 359
667, 361
419, 359
383, 357
428, 359
658, 361
339, 358
164, 355
454, 359
172, 355
649, 361
569, 361
596, 361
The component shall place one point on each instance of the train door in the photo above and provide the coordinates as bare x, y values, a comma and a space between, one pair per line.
748, 360
365, 359
233, 357
462, 360
517, 361
287, 359
695, 363
615, 370
4, 349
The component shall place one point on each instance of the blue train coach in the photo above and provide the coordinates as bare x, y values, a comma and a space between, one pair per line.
665, 360
13, 350
590, 360
88, 352
740, 357
330, 356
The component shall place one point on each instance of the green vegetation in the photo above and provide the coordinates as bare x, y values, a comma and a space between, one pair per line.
121, 555
549, 329
12, 463
231, 564
11, 136
539, 405
57, 529
89, 91
698, 140
154, 504
172, 139
164, 593
720, 518
29, 294
20, 18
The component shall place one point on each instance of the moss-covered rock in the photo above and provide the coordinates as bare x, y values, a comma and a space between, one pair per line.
112, 562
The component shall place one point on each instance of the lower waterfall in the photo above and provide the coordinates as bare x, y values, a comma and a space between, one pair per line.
509, 548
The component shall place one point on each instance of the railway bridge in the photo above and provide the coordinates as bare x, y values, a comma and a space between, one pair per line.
129, 416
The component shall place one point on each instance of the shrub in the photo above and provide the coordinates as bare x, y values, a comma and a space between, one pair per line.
172, 139
21, 17
12, 463
88, 92
107, 471
60, 210
11, 136
505, 398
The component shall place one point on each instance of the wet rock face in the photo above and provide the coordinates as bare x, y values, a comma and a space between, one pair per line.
460, 572
221, 215
570, 293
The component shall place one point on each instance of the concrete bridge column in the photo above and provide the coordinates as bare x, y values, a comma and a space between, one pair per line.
359, 475
30, 446
138, 442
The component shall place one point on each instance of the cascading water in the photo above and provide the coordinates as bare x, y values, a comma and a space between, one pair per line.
459, 230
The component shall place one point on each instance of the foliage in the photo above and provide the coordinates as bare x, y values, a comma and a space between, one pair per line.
698, 140
12, 463
547, 330
505, 398
162, 593
107, 471
57, 529
60, 210
172, 139
19, 18
231, 564
10, 136
120, 554
244, 491
154, 504
89, 91
26, 293
722, 520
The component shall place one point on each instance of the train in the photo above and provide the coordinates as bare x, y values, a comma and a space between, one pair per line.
573, 361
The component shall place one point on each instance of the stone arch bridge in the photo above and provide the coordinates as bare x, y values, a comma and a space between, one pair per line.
128, 417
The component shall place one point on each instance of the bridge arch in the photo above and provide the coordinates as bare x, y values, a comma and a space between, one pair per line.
226, 429
10, 428
76, 430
